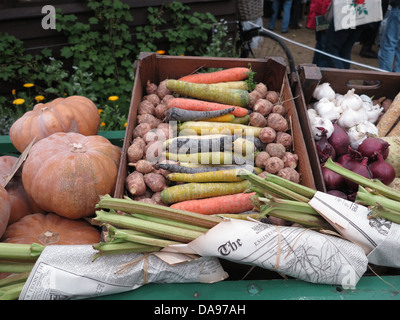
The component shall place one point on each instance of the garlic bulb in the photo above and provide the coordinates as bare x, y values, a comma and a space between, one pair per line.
324, 90
326, 109
351, 100
373, 111
350, 117
358, 133
319, 122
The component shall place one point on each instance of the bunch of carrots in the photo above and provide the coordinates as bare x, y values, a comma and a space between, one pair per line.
196, 170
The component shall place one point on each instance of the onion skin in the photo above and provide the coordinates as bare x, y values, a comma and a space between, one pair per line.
371, 146
362, 169
337, 193
381, 170
333, 180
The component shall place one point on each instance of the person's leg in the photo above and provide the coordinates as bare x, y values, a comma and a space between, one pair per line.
333, 44
274, 16
389, 41
353, 35
287, 7
320, 37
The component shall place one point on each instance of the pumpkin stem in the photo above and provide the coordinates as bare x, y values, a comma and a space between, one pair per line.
77, 148
49, 237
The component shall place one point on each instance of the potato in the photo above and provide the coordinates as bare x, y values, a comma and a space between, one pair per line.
273, 165
290, 160
267, 135
162, 90
272, 96
257, 120
143, 166
289, 174
156, 182
141, 129
277, 122
261, 159
151, 87
160, 110
150, 119
254, 96
153, 98
278, 108
135, 184
262, 89
136, 150
275, 150
157, 199
263, 106
284, 138
146, 107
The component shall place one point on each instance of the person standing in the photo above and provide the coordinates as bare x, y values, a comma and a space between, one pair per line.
389, 50
287, 7
317, 10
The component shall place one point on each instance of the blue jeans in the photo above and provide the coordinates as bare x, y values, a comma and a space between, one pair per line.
287, 6
389, 51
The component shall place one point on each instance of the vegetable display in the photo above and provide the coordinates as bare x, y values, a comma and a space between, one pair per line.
349, 129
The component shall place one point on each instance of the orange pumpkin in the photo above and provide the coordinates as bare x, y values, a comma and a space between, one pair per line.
21, 203
71, 114
5, 209
51, 229
66, 173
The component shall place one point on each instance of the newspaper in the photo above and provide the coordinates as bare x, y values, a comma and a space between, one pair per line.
294, 251
378, 237
70, 273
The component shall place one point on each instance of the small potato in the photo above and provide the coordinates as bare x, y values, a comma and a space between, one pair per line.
136, 150
272, 96
162, 89
157, 198
141, 129
278, 108
277, 122
151, 87
267, 135
290, 160
150, 119
156, 182
166, 129
153, 151
289, 174
254, 96
273, 165
143, 166
257, 120
135, 184
275, 150
262, 89
284, 138
146, 107
160, 110
261, 159
166, 98
263, 106
153, 98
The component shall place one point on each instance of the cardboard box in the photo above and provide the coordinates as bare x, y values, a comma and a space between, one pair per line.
372, 83
156, 68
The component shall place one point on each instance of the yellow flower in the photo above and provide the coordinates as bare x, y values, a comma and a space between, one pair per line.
160, 51
100, 111
13, 91
39, 98
28, 85
103, 124
18, 101
125, 124
113, 98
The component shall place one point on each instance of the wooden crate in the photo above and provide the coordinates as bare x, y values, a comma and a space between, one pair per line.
372, 83
156, 68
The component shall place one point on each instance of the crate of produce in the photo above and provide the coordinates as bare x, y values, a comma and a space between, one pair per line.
380, 88
155, 68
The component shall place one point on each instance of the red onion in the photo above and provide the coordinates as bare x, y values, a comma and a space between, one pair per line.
339, 140
362, 169
348, 160
382, 170
337, 193
333, 180
371, 146
324, 148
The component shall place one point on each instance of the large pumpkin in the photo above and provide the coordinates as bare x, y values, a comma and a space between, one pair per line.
72, 114
5, 209
66, 173
50, 229
21, 203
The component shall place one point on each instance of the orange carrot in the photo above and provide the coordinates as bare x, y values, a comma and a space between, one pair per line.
201, 105
230, 74
233, 203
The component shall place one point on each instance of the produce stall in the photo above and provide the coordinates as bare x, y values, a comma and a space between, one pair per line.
215, 193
